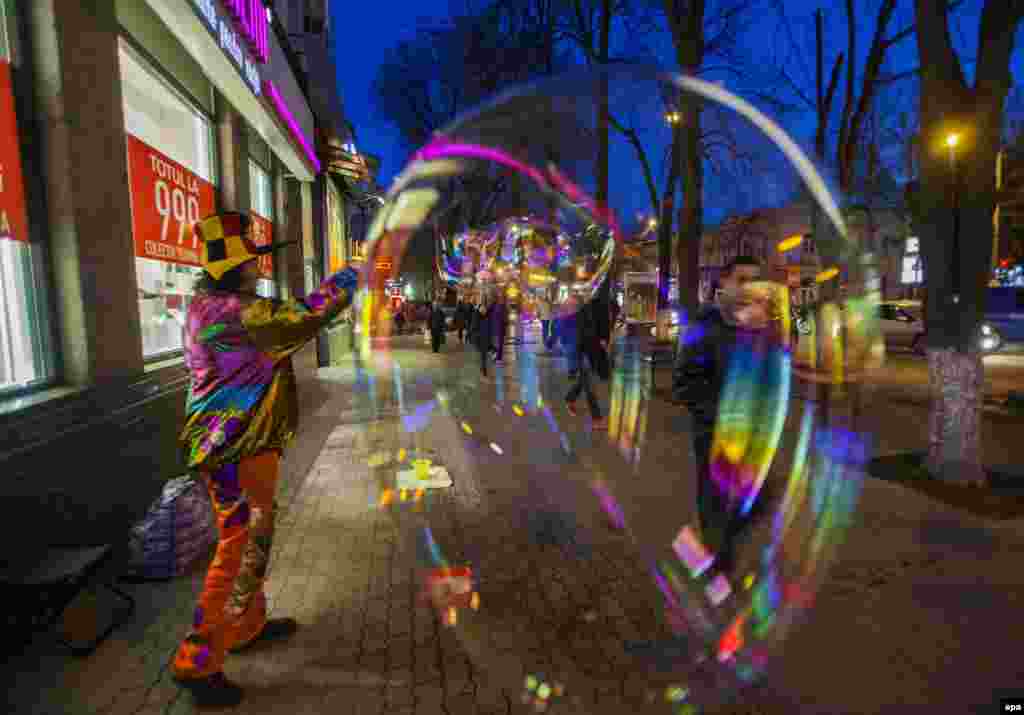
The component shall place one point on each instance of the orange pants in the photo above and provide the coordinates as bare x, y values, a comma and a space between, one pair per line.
233, 608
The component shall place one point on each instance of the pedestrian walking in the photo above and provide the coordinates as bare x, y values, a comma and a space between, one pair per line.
459, 319
499, 326
591, 345
697, 381
482, 332
565, 328
240, 415
546, 327
437, 327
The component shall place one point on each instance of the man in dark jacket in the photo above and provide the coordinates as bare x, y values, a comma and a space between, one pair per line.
499, 327
565, 333
460, 319
437, 326
698, 377
593, 330
482, 332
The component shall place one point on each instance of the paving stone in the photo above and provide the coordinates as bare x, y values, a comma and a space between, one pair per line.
429, 698
462, 704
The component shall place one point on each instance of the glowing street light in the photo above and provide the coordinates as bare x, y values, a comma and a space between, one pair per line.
652, 223
673, 117
952, 140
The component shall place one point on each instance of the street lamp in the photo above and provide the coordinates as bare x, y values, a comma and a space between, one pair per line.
672, 117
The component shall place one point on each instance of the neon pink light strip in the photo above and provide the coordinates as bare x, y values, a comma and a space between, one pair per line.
286, 114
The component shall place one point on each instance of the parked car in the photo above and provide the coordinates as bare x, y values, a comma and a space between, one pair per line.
1003, 324
1004, 318
901, 327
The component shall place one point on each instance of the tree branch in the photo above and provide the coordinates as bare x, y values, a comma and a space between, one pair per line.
634, 139
851, 74
912, 28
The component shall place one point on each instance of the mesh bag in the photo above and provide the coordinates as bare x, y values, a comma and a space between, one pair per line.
178, 530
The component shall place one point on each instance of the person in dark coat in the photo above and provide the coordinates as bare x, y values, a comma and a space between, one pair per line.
461, 320
698, 377
472, 320
499, 326
482, 332
565, 332
437, 327
593, 330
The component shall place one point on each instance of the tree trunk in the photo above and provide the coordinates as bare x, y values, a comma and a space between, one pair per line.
692, 210
957, 384
603, 49
688, 38
665, 225
958, 263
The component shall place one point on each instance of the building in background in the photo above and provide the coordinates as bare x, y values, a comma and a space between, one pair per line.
760, 233
122, 123
346, 188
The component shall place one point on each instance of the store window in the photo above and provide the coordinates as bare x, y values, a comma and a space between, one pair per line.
911, 268
25, 338
337, 253
261, 191
171, 172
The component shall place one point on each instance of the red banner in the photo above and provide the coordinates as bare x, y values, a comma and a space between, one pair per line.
262, 235
13, 219
167, 200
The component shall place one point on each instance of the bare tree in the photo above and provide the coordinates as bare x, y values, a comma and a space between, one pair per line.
704, 35
958, 269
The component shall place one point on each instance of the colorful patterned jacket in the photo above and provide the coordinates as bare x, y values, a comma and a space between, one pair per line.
242, 398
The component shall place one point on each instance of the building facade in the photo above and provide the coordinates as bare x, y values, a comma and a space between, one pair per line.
760, 233
124, 122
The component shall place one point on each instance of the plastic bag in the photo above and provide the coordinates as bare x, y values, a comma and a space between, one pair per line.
178, 530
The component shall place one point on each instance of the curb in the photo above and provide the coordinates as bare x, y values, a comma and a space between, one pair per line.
992, 407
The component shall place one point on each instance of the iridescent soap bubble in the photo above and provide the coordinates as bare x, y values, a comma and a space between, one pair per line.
562, 539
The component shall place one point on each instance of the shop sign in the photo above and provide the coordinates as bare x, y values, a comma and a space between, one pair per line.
13, 219
383, 265
246, 28
263, 235
167, 201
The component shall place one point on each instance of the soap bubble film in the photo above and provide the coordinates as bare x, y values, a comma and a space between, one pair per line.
602, 564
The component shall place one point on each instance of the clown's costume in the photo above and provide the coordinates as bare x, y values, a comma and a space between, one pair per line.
242, 411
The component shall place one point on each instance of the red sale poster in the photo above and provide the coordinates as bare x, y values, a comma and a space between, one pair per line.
167, 200
262, 235
13, 219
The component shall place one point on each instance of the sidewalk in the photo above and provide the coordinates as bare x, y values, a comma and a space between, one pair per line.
921, 607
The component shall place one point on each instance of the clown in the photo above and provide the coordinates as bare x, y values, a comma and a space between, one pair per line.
242, 411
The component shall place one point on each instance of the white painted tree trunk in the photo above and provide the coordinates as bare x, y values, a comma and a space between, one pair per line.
954, 425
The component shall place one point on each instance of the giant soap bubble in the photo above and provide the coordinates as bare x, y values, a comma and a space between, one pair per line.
585, 562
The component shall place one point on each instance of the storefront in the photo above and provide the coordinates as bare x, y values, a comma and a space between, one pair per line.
25, 340
175, 114
97, 255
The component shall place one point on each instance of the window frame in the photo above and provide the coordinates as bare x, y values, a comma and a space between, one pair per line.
34, 268
149, 64
255, 165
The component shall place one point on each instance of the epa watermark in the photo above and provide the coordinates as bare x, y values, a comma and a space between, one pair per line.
1011, 705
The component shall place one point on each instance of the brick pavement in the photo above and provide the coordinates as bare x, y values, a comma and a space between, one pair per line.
560, 594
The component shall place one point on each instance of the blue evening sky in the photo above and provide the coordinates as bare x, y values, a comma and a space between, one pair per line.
364, 31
